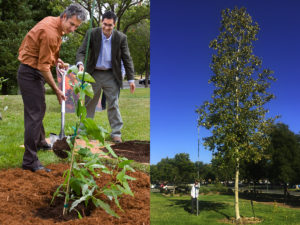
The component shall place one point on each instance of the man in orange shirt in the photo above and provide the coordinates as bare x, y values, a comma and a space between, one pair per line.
38, 52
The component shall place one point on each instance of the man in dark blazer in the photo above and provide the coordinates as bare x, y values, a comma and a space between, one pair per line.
107, 48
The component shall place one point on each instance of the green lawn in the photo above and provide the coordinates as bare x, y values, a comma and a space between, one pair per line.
135, 110
214, 208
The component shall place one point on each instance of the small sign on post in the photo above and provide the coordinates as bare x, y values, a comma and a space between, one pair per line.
70, 95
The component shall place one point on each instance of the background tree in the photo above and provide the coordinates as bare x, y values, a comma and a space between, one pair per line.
285, 157
129, 12
223, 169
166, 172
139, 45
17, 18
177, 170
185, 168
236, 115
254, 171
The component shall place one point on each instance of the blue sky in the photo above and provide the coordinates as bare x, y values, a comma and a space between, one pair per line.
180, 58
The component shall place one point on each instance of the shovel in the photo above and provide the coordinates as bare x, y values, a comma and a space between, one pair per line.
59, 142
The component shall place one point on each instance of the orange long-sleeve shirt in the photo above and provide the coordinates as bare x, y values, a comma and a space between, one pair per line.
40, 47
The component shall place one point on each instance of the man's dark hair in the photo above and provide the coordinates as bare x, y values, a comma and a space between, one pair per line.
74, 10
109, 15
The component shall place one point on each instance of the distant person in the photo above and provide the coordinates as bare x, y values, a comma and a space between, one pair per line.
108, 47
194, 195
38, 53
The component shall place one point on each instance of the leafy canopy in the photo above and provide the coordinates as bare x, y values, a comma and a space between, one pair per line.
236, 115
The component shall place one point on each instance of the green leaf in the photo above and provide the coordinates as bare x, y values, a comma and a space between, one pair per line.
85, 188
93, 129
127, 188
87, 196
105, 206
110, 150
88, 90
129, 178
124, 163
78, 213
80, 110
113, 193
120, 176
97, 166
75, 203
75, 185
73, 69
84, 152
56, 193
87, 77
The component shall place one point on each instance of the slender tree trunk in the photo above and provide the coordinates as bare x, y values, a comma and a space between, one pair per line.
146, 78
147, 69
286, 193
236, 192
237, 170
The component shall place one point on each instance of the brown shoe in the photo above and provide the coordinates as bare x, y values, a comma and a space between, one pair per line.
117, 139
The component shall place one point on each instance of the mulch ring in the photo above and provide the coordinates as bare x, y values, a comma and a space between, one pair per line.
25, 199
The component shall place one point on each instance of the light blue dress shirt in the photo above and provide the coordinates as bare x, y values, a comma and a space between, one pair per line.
104, 58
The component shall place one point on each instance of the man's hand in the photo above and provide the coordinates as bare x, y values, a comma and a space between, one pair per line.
60, 96
49, 79
132, 87
62, 65
80, 68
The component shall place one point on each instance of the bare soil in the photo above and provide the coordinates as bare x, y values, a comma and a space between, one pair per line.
138, 151
25, 196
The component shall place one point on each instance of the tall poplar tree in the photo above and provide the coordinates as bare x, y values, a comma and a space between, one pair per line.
236, 115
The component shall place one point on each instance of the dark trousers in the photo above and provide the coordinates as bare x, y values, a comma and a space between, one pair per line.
194, 204
31, 83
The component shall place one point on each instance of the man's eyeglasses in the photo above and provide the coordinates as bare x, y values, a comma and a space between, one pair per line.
107, 25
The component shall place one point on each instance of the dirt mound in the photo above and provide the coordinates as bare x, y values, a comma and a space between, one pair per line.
25, 199
139, 151
136, 150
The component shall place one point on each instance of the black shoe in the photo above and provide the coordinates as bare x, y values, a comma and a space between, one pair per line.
44, 147
36, 168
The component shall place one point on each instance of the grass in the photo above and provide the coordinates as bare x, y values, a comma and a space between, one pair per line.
215, 208
135, 111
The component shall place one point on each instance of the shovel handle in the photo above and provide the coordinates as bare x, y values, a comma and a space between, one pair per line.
63, 104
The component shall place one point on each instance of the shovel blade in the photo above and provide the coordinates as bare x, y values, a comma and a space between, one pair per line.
59, 145
53, 138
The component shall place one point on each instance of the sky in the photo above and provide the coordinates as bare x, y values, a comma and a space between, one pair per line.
180, 58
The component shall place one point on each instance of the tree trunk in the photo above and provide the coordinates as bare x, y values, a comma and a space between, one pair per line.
146, 78
236, 193
4, 90
286, 193
254, 189
146, 70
